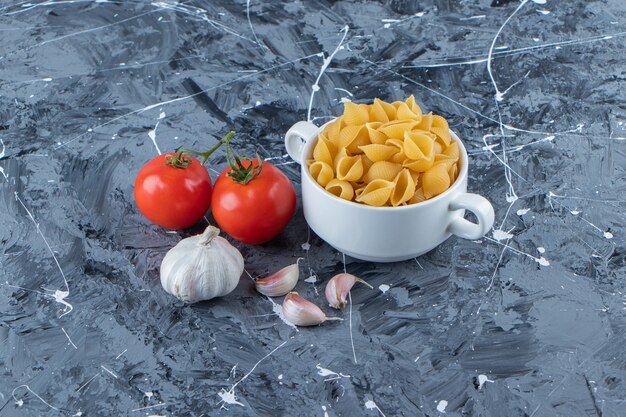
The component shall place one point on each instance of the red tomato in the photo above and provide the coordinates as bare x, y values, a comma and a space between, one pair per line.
173, 197
257, 211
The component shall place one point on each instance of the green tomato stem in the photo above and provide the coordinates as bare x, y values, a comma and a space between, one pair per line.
239, 173
179, 160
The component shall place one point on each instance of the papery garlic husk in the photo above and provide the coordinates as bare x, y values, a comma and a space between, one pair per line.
338, 288
279, 283
302, 312
201, 267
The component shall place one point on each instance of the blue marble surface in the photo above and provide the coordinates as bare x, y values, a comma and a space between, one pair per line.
528, 321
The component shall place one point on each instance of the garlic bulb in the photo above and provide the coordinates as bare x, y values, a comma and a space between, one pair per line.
201, 267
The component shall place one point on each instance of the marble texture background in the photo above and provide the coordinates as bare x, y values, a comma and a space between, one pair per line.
528, 321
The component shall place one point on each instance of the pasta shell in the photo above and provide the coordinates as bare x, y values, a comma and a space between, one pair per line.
324, 150
438, 147
375, 135
321, 172
404, 112
355, 114
367, 163
382, 170
426, 122
435, 181
342, 189
379, 152
376, 193
351, 137
389, 109
419, 166
453, 151
396, 129
453, 171
398, 143
350, 168
378, 113
413, 106
399, 158
442, 157
440, 128
332, 131
404, 188
418, 196
340, 154
448, 162
418, 146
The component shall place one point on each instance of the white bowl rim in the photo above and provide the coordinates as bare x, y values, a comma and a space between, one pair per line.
457, 183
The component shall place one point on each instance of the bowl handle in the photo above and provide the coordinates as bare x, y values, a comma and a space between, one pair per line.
478, 205
297, 137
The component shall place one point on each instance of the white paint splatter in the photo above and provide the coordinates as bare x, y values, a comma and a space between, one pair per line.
441, 407
371, 405
345, 100
575, 212
311, 280
325, 65
20, 402
541, 249
543, 11
68, 338
152, 133
278, 310
325, 412
150, 406
109, 371
280, 376
228, 396
58, 295
148, 394
328, 373
257, 104
252, 27
540, 1
542, 261
345, 91
608, 235
523, 211
306, 246
383, 288
482, 379
501, 235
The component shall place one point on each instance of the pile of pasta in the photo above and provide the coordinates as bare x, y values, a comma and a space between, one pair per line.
385, 154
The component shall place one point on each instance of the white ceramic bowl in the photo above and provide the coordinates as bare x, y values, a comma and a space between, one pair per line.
386, 234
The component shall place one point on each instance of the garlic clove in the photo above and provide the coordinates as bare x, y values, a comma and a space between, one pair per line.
302, 312
338, 288
279, 283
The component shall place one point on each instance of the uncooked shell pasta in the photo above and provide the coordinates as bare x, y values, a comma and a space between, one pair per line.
386, 154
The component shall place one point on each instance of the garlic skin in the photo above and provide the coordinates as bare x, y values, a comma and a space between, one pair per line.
338, 288
201, 267
279, 283
302, 312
